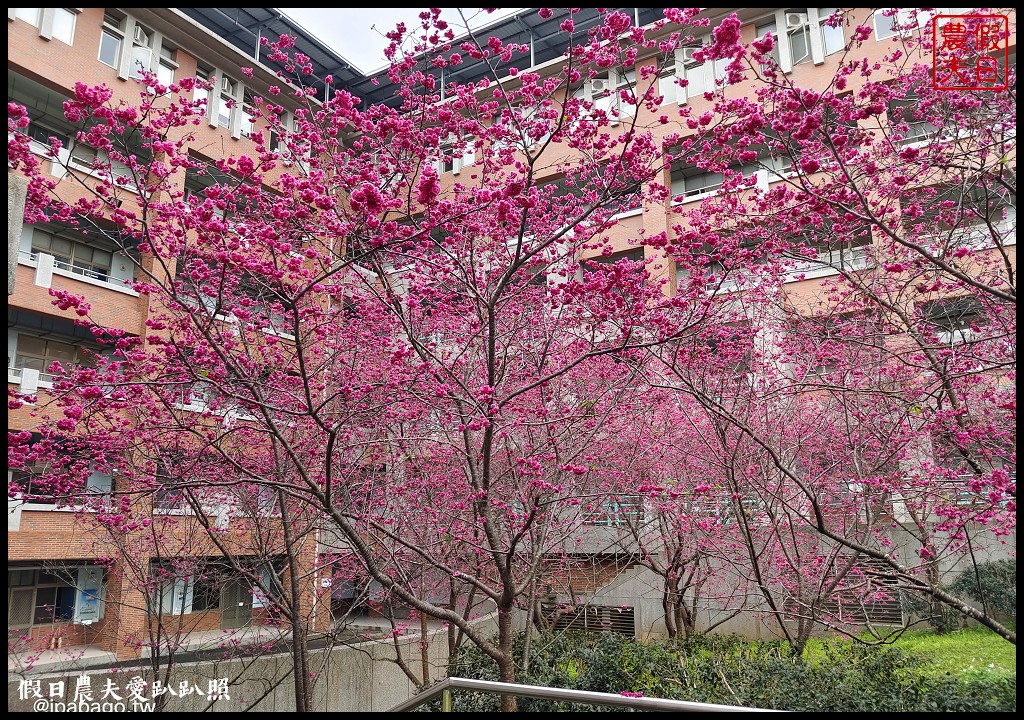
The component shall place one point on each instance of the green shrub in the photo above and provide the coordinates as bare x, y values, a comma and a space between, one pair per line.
729, 670
941, 618
993, 585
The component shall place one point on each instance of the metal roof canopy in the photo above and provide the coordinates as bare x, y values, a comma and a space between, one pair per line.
243, 28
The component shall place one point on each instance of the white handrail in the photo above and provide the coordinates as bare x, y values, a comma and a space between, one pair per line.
586, 697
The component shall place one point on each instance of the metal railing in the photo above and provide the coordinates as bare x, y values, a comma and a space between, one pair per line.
586, 697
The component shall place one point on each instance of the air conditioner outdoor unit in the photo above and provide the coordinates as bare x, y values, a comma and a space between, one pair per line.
227, 85
686, 53
795, 20
599, 85
141, 38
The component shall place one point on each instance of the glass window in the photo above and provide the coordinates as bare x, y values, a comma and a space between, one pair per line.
29, 15
20, 578
42, 134
903, 21
63, 25
955, 320
165, 70
54, 604
141, 58
799, 41
224, 110
39, 353
704, 77
689, 181
770, 26
206, 594
908, 110
169, 499
110, 48
91, 261
114, 19
833, 38
697, 80
201, 93
27, 483
249, 113
38, 597
621, 510
82, 154
885, 27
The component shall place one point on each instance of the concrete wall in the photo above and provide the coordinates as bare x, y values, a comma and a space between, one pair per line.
17, 189
352, 678
639, 588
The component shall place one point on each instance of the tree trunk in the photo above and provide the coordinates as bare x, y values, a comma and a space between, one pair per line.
506, 664
668, 607
424, 649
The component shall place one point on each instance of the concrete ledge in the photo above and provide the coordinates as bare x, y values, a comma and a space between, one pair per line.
57, 661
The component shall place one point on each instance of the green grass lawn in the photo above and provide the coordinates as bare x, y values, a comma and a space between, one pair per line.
975, 651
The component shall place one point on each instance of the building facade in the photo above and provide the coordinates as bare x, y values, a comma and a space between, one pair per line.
66, 587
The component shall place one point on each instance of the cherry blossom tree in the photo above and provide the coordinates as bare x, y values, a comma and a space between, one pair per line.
429, 372
335, 305
898, 200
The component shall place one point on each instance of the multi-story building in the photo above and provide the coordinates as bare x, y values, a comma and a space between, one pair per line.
66, 588
63, 586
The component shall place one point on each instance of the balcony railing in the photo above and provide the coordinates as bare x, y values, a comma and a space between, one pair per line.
615, 512
16, 376
688, 195
832, 261
89, 274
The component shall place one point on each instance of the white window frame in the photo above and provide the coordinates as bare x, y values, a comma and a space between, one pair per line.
973, 232
452, 159
118, 32
81, 242
32, 16
69, 13
751, 170
99, 483
830, 262
16, 374
763, 28
174, 595
197, 394
164, 64
203, 74
227, 88
43, 149
824, 29
682, 66
604, 91
45, 19
954, 330
246, 121
704, 192
908, 25
141, 51
902, 19
67, 157
131, 60
88, 584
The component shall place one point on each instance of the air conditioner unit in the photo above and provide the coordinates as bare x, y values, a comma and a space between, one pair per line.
227, 85
686, 54
795, 21
141, 38
599, 85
